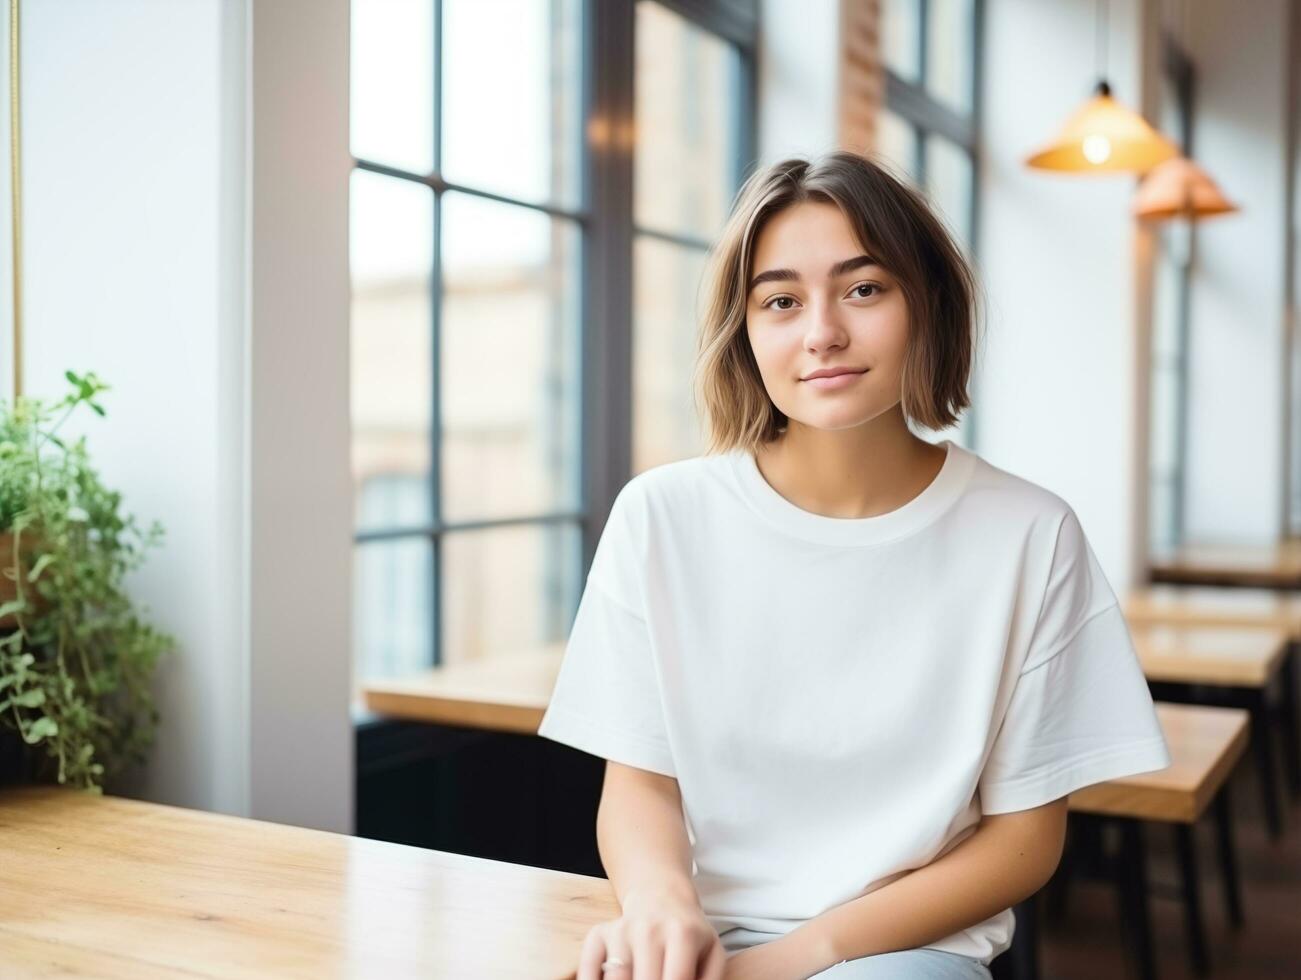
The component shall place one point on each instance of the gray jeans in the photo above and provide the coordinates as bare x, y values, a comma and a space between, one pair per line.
904, 964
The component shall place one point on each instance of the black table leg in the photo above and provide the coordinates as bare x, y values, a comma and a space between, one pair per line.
1131, 877
1228, 860
1262, 741
1185, 847
1291, 727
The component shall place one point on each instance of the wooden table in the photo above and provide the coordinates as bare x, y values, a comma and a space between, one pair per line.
1234, 667
1224, 656
1205, 745
1228, 647
507, 692
1193, 605
1274, 566
109, 887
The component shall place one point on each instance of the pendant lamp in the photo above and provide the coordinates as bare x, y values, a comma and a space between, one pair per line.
1103, 135
1178, 188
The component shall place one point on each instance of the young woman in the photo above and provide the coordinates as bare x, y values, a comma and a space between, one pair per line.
844, 678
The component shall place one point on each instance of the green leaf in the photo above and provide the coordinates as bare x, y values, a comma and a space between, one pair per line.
95, 407
41, 728
17, 605
29, 699
42, 563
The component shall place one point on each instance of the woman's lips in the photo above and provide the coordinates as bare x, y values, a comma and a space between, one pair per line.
836, 381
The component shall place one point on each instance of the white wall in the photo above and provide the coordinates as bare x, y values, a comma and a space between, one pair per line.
1236, 385
186, 199
1059, 258
797, 77
6, 254
124, 167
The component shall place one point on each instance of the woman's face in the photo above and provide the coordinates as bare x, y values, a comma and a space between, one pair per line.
823, 303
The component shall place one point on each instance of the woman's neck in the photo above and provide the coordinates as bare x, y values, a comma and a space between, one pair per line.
850, 473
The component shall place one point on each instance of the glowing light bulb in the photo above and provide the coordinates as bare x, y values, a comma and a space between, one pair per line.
1096, 148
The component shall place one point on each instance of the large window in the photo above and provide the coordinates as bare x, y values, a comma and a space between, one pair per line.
498, 237
929, 127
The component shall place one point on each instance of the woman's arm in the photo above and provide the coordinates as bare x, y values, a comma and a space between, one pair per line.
1008, 858
642, 837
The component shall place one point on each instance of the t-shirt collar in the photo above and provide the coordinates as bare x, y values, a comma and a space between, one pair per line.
936, 498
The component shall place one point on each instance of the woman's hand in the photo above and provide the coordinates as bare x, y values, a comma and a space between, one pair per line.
660, 937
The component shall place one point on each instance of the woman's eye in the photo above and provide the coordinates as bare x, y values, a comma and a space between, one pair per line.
779, 299
865, 285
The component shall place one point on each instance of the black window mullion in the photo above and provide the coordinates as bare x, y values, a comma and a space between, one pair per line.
435, 346
440, 186
913, 103
607, 264
921, 154
1181, 75
736, 21
745, 138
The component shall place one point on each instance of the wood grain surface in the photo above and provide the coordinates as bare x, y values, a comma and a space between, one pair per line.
102, 886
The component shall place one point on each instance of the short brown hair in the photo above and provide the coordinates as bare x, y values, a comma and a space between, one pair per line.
895, 224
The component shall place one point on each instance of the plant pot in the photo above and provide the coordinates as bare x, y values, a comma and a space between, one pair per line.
8, 587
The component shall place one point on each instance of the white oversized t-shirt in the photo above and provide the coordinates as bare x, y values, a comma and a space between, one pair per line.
840, 699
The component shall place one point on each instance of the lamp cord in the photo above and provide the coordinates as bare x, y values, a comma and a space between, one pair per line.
1100, 48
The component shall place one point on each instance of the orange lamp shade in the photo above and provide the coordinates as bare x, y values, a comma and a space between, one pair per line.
1104, 136
1179, 188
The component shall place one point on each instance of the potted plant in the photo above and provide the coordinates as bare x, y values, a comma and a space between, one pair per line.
76, 658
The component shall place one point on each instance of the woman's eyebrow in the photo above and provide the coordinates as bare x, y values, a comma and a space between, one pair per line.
790, 275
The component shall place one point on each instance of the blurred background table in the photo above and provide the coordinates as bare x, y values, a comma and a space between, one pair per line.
1273, 566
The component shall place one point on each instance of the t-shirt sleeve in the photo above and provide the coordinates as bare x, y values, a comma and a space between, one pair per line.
606, 699
1080, 712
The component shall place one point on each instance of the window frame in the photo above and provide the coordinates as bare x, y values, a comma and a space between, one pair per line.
928, 115
604, 218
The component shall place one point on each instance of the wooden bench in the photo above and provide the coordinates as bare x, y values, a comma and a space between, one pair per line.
1206, 744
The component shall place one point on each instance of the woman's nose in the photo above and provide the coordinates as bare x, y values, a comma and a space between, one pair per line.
825, 329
